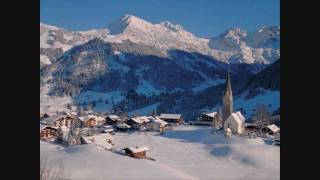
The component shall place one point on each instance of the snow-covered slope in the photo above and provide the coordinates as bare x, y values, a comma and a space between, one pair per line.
187, 152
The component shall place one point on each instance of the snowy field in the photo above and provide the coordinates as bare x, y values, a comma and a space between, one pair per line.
187, 152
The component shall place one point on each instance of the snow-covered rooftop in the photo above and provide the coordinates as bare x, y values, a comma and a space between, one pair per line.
212, 114
159, 121
138, 149
141, 119
238, 117
113, 117
273, 128
170, 116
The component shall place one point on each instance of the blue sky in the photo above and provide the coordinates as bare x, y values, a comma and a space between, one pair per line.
205, 18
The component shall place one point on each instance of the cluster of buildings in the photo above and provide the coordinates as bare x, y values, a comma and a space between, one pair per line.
92, 124
235, 122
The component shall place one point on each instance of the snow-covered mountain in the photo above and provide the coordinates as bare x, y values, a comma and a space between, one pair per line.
134, 64
234, 46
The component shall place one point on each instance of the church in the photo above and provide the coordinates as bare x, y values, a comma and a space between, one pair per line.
233, 120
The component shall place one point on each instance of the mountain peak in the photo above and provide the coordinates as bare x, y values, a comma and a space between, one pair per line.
126, 21
171, 26
235, 32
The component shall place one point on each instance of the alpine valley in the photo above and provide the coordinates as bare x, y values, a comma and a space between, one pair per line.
135, 66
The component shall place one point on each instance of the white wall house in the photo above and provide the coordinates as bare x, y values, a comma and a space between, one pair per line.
156, 124
236, 122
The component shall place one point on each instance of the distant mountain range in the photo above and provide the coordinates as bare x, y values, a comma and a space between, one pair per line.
134, 64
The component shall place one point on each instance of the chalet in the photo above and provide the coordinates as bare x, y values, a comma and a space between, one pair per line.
156, 124
63, 120
137, 152
122, 126
47, 132
236, 122
173, 119
210, 119
138, 122
271, 129
92, 121
113, 119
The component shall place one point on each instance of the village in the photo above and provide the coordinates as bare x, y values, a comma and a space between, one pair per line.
69, 129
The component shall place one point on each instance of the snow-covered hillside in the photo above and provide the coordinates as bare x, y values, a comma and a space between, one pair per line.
188, 152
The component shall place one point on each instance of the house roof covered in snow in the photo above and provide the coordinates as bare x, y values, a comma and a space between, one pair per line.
238, 117
138, 149
159, 121
123, 125
51, 119
85, 118
141, 119
273, 128
170, 116
212, 114
114, 117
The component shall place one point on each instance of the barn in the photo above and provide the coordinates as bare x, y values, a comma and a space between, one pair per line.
236, 122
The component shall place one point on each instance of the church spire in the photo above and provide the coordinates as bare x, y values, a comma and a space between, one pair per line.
227, 99
228, 89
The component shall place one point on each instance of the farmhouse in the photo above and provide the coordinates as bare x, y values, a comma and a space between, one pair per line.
236, 122
271, 129
91, 120
138, 122
47, 132
156, 124
173, 119
137, 152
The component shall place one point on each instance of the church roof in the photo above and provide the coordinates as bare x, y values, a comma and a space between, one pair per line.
238, 117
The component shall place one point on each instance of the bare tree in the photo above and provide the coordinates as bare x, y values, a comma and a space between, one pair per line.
261, 116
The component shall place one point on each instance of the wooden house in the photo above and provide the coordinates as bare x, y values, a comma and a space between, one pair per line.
92, 121
113, 119
137, 152
210, 119
138, 122
47, 132
173, 119
236, 122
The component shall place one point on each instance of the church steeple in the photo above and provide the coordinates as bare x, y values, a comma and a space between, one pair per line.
227, 99
228, 89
